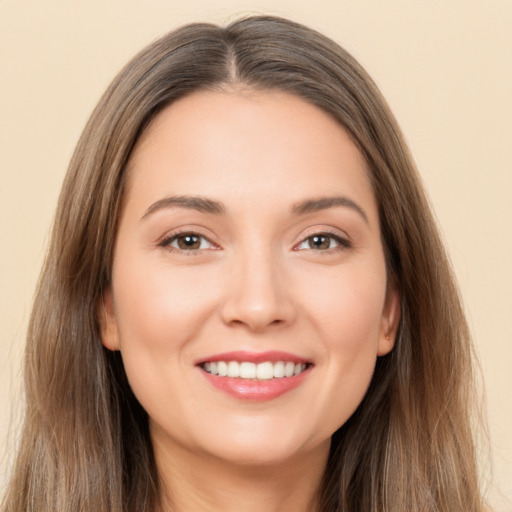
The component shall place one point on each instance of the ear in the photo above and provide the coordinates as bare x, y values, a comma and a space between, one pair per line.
390, 320
108, 322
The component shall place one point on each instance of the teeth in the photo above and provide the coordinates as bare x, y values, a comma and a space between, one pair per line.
260, 371
233, 369
264, 371
222, 368
279, 369
247, 370
289, 368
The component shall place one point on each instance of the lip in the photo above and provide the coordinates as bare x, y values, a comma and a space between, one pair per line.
272, 356
255, 390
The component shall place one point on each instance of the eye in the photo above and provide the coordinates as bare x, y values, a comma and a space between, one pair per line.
188, 242
323, 242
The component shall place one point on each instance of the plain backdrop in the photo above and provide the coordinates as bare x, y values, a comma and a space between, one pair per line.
444, 66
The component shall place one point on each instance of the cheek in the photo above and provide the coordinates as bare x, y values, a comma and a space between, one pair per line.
158, 311
158, 306
346, 315
347, 304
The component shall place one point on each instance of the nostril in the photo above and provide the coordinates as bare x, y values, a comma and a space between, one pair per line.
257, 324
256, 298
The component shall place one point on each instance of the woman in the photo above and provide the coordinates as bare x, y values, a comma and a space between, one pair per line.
245, 302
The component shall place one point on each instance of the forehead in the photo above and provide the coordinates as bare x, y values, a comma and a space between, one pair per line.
250, 146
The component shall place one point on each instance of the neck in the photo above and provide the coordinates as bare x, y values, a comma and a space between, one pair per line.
192, 481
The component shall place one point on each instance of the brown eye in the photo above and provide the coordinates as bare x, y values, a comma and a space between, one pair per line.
319, 242
187, 242
324, 242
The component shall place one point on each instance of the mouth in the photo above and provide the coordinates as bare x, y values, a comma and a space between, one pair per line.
254, 371
255, 376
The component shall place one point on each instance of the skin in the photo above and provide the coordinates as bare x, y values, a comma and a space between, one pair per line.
256, 281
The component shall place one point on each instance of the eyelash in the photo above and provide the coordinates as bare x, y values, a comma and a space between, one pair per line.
342, 243
167, 241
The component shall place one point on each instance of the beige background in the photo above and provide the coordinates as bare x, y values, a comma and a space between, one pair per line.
445, 67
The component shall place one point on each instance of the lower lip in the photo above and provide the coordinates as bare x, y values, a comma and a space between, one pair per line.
256, 390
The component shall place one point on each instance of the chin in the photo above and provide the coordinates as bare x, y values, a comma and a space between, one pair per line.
255, 455
264, 445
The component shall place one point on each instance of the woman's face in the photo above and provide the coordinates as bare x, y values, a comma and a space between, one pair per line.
249, 244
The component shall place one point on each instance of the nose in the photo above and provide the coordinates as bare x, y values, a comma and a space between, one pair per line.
258, 294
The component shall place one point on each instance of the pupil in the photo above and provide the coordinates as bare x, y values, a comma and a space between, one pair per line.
188, 241
320, 242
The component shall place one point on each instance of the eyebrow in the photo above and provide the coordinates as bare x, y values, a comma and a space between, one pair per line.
323, 203
205, 205
200, 204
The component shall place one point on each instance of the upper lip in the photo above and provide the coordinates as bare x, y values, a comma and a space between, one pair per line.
272, 356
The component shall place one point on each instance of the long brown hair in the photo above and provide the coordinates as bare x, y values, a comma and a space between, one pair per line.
85, 443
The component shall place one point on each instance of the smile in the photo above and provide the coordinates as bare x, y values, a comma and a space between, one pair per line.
248, 370
255, 376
